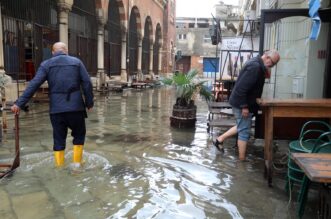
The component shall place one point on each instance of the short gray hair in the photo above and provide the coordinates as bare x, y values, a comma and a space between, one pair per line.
273, 53
60, 47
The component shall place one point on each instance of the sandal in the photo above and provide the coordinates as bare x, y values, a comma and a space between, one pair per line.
219, 146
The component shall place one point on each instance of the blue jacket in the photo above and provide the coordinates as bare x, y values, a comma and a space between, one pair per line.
67, 79
249, 85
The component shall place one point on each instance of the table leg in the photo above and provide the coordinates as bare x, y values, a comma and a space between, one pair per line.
268, 137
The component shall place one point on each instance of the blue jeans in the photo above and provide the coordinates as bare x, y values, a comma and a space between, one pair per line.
243, 124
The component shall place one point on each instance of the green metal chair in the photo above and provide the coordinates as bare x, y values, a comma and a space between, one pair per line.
302, 199
311, 135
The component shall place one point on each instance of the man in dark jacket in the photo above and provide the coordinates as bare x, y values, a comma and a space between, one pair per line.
247, 89
68, 82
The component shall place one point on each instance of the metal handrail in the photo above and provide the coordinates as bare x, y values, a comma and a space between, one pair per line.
10, 167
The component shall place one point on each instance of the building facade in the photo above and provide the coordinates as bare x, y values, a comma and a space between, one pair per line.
121, 39
197, 49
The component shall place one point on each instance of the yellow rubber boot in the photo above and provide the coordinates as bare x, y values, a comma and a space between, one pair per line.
78, 154
59, 158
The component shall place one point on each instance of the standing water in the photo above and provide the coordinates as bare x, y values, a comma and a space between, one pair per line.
136, 166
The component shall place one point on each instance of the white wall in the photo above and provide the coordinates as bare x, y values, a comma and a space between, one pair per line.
290, 36
316, 66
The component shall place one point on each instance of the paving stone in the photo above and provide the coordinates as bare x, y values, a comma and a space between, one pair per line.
5, 202
87, 210
33, 205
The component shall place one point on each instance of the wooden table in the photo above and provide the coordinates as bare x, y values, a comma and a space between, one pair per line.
317, 167
272, 108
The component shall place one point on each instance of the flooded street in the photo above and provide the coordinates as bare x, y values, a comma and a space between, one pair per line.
136, 166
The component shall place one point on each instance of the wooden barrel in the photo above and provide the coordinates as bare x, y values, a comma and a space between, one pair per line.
183, 117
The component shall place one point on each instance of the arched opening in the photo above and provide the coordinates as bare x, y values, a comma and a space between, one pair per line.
133, 43
29, 30
156, 49
113, 40
83, 33
146, 45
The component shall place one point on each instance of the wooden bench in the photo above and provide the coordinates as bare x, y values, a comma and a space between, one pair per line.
139, 85
222, 123
216, 108
115, 87
226, 112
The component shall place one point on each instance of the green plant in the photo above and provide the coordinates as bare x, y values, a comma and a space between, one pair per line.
187, 87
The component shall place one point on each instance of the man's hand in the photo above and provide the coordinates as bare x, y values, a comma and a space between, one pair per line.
244, 112
15, 109
89, 109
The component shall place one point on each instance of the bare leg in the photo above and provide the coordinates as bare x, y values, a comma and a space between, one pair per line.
231, 132
242, 149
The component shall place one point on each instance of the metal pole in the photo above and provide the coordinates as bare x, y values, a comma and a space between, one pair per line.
216, 56
16, 162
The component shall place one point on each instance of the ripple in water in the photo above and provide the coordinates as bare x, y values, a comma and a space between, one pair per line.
34, 161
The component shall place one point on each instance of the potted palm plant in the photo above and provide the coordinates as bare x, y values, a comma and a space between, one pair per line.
187, 87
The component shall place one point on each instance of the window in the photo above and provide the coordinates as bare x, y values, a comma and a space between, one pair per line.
181, 36
206, 38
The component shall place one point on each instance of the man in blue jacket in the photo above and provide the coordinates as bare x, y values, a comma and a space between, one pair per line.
68, 82
247, 89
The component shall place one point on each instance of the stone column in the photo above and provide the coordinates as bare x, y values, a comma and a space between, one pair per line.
151, 73
101, 76
139, 72
160, 61
124, 61
64, 7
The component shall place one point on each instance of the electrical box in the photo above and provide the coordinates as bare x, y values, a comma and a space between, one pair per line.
297, 85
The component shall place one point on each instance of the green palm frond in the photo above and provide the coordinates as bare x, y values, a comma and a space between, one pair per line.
167, 81
192, 74
187, 85
206, 93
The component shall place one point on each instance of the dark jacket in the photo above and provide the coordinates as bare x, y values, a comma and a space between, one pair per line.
67, 78
249, 85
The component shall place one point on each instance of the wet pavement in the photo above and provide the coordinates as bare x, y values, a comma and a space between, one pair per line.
136, 166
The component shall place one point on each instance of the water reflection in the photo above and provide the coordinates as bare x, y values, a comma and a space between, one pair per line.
136, 166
